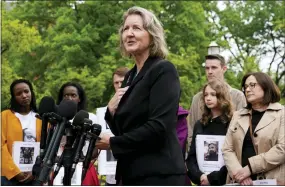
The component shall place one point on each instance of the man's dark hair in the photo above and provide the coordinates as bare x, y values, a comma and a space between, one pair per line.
121, 71
216, 57
212, 144
14, 106
82, 105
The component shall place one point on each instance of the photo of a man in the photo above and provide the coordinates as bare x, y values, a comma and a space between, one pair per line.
26, 155
212, 154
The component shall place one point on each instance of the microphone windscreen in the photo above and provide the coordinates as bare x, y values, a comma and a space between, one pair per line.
97, 129
46, 105
56, 109
67, 109
79, 118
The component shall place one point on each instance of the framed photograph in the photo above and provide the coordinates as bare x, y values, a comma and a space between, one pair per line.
209, 158
24, 154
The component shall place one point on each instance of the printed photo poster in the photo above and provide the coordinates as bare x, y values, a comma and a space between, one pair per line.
106, 161
24, 154
209, 152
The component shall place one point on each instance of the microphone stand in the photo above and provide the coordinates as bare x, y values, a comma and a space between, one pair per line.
48, 161
67, 156
45, 140
84, 129
93, 135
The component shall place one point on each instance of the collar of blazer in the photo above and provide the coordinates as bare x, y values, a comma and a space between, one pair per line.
130, 79
266, 119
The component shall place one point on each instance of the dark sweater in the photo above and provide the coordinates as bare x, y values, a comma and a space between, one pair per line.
214, 127
247, 147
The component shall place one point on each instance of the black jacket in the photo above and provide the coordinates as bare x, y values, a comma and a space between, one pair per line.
216, 127
144, 123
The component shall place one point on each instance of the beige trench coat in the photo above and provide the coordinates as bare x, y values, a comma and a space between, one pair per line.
268, 139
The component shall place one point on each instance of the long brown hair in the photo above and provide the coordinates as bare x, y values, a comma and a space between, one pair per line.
223, 101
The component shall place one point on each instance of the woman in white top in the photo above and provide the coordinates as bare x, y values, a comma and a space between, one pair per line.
74, 91
18, 123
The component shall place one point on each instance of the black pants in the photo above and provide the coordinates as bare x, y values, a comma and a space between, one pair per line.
13, 182
159, 180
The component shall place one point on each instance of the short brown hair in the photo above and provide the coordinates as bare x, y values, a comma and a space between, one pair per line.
216, 57
271, 91
121, 71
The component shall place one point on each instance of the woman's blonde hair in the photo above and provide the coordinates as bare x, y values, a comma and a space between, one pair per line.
153, 26
223, 102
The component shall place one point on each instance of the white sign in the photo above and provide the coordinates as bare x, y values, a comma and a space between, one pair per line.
24, 154
106, 161
76, 178
209, 152
266, 182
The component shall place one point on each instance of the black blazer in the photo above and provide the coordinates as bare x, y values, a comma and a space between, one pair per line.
144, 123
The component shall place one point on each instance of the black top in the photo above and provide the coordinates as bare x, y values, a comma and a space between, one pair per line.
144, 124
214, 127
247, 147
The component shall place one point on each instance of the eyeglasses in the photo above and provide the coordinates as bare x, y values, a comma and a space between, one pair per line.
250, 85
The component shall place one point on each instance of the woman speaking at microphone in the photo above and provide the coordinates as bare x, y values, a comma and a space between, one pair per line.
143, 113
16, 122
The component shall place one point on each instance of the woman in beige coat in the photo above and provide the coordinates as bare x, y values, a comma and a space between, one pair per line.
255, 146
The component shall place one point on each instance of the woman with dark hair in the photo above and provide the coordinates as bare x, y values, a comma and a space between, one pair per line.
217, 113
16, 121
74, 91
255, 146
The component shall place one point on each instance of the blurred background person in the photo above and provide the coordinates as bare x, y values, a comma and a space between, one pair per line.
19, 117
215, 68
74, 91
217, 113
255, 143
182, 128
143, 113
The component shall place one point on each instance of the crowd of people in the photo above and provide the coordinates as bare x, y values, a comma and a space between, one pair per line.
151, 139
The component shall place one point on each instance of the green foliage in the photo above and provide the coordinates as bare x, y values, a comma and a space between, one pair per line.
252, 30
7, 75
52, 42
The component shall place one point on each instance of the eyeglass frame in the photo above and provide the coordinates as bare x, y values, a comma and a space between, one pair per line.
251, 86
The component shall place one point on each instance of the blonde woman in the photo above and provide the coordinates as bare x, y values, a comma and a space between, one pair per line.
143, 113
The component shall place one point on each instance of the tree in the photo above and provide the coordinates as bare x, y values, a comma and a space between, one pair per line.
18, 38
80, 42
251, 30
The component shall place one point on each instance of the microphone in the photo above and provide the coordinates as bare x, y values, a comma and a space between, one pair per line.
95, 132
66, 110
47, 105
79, 118
86, 126
77, 122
